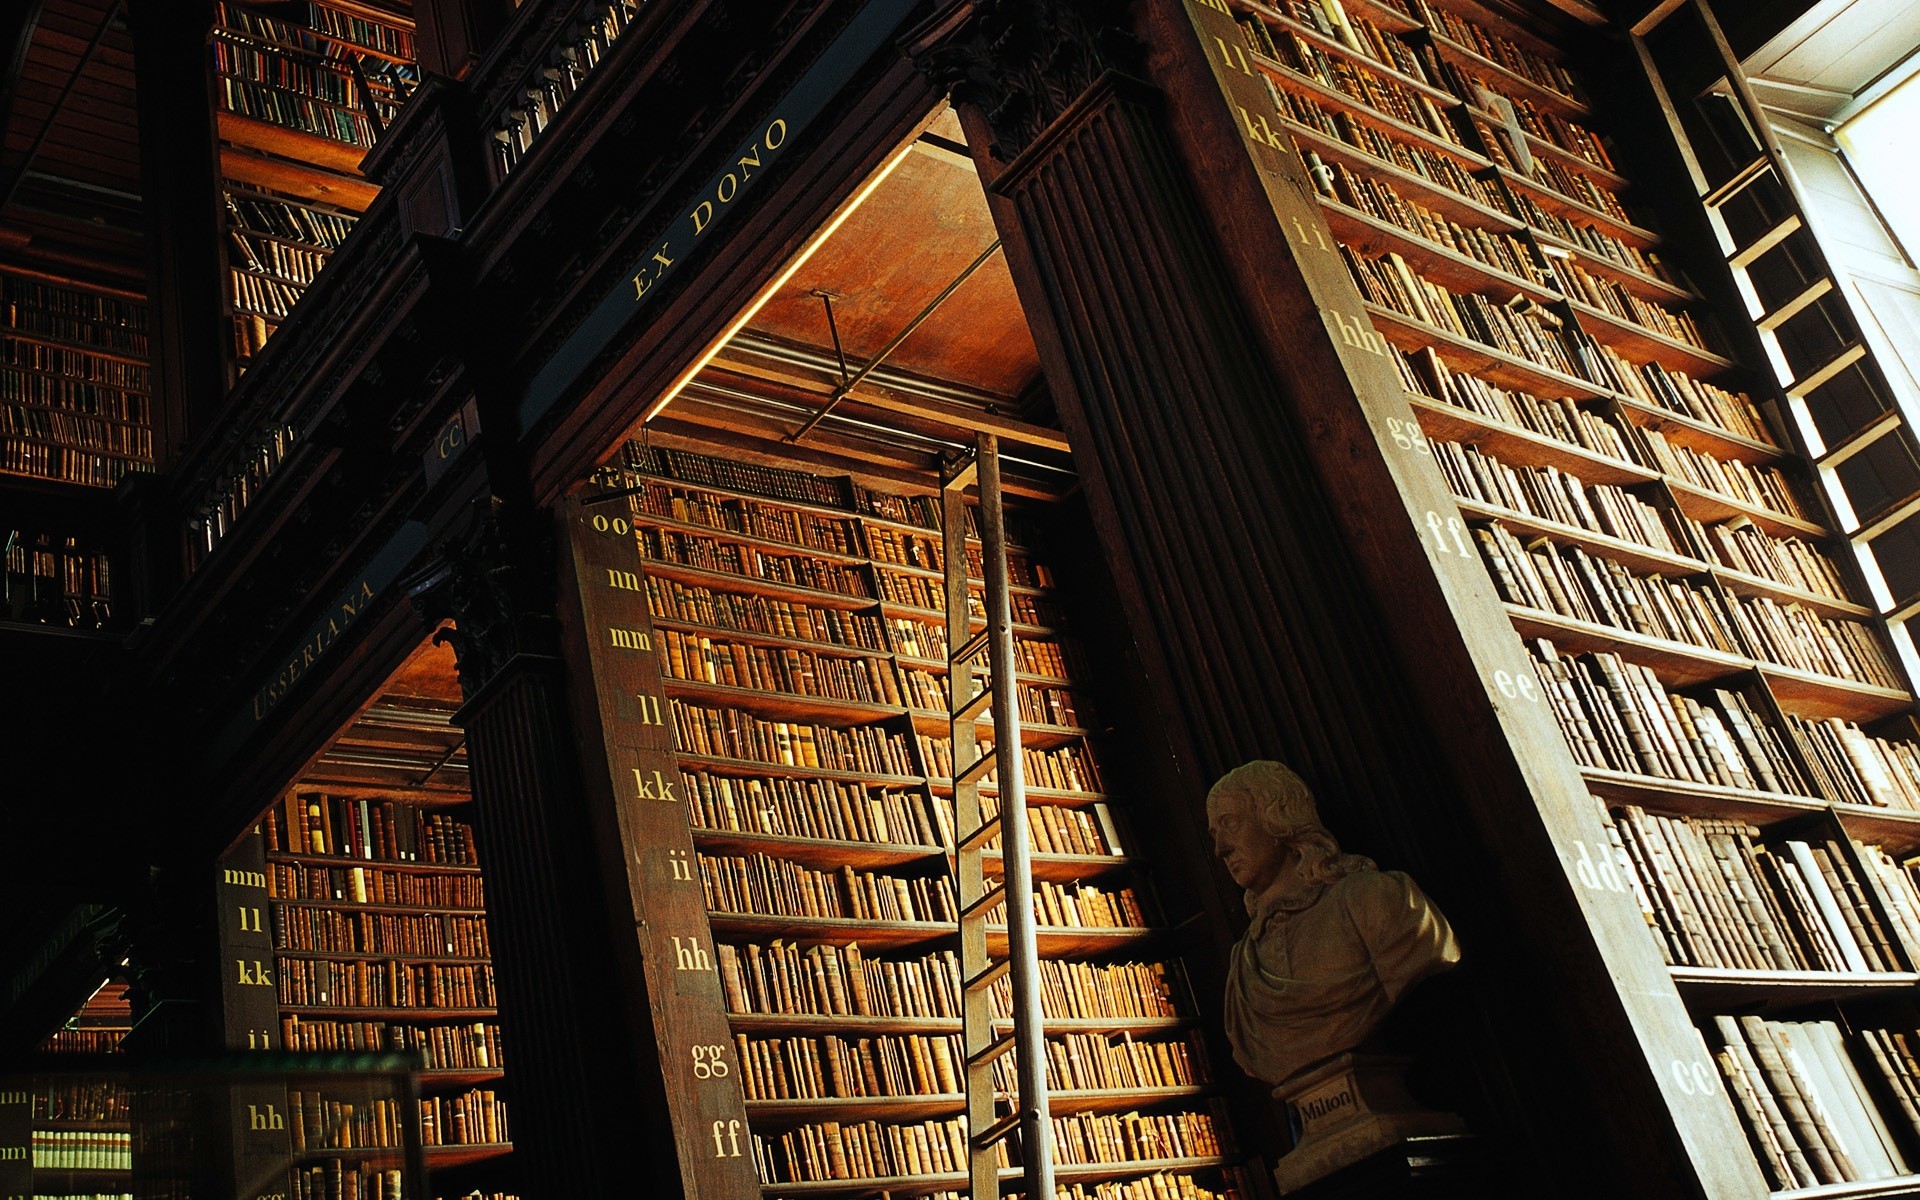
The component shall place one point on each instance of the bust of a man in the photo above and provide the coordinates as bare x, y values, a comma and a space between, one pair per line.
1335, 941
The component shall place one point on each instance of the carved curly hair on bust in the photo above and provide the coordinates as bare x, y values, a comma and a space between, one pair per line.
1281, 804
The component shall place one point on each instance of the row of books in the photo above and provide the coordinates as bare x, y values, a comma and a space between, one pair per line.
420, 934
1499, 249
1425, 373
699, 605
251, 215
1440, 169
74, 364
1613, 297
1762, 486
1721, 898
19, 456
376, 885
286, 69
761, 885
87, 320
729, 733
783, 669
1853, 767
98, 1101
220, 508
1044, 657
1068, 768
251, 332
922, 511
1569, 581
775, 483
1057, 829
1535, 67
317, 1121
465, 1046
817, 808
284, 261
775, 523
751, 562
1821, 1107
359, 827
551, 82
928, 552
1388, 280
82, 1150
809, 1068
262, 294
926, 592
1086, 906
1556, 230
1090, 1062
1617, 715
292, 110
1678, 392
1037, 704
92, 399
1555, 495
1742, 546
71, 429
53, 580
830, 980
1562, 180
324, 983
1543, 123
477, 1117
1380, 93
1354, 33
1795, 636
325, 29
335, 1179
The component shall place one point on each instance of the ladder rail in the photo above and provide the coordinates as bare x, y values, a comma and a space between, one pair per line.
982, 1044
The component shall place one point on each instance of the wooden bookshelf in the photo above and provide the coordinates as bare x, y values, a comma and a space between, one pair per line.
1697, 630
747, 809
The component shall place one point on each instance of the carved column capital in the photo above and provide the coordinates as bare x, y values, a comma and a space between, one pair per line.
1023, 62
496, 581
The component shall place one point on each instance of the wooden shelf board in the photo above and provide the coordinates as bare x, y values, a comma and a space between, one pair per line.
1035, 795
437, 1157
1446, 422
1279, 20
1631, 554
1371, 235
1641, 344
418, 1013
1647, 287
727, 581
934, 573
1902, 1185
310, 152
935, 616
785, 1112
906, 1185
1742, 583
1565, 206
1033, 734
742, 766
1430, 193
726, 633
819, 853
1685, 796
1506, 81
1703, 504
1677, 663
1688, 431
1476, 358
938, 664
894, 935
1722, 988
68, 444
1387, 123
723, 534
133, 357
782, 705
1809, 695
715, 489
370, 956
341, 860
848, 1023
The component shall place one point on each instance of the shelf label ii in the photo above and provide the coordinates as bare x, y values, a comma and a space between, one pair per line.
642, 778
742, 169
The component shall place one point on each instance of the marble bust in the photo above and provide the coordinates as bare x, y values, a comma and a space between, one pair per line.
1335, 941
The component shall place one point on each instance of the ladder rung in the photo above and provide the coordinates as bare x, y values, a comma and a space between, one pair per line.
995, 1049
1814, 382
1745, 256
1861, 438
1903, 611
974, 771
974, 707
981, 905
990, 976
1888, 518
1739, 183
1794, 307
973, 647
980, 836
996, 1132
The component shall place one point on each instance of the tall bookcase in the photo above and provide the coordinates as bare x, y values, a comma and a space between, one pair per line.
798, 626
359, 924
1695, 626
82, 1130
74, 382
301, 97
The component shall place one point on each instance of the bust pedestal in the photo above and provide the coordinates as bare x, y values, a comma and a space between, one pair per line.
1349, 1108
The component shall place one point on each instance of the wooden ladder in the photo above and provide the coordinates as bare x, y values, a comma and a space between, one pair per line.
1844, 414
980, 680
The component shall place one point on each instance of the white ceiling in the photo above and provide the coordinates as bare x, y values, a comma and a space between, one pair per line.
1837, 57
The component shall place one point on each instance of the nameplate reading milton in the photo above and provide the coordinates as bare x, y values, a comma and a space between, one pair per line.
713, 203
